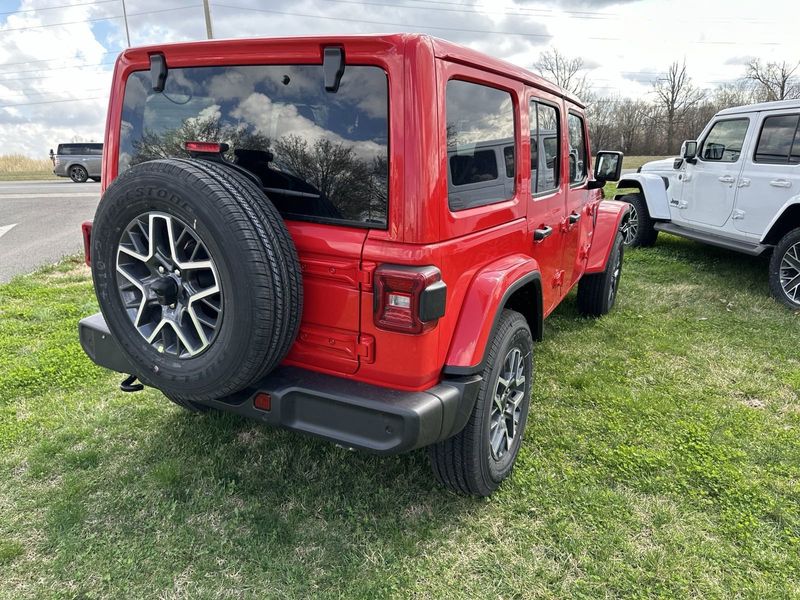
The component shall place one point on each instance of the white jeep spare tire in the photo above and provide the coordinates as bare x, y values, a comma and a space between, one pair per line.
197, 277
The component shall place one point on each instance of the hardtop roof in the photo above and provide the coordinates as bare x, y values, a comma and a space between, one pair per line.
760, 107
442, 49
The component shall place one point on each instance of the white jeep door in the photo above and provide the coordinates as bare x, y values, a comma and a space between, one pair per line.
771, 174
709, 185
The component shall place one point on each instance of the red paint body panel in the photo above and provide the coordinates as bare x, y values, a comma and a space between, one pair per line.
479, 251
609, 218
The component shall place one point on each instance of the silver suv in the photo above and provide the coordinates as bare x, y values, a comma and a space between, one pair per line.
79, 162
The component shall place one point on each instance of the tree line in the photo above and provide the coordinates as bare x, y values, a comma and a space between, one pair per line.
675, 109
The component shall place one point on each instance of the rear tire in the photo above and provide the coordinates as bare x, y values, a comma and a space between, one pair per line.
639, 230
475, 461
78, 174
252, 319
597, 292
784, 270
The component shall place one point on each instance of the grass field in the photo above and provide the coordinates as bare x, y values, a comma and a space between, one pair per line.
634, 162
15, 167
661, 459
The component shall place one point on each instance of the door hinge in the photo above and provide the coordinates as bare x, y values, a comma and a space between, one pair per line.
738, 215
558, 278
365, 348
584, 252
364, 274
743, 182
564, 226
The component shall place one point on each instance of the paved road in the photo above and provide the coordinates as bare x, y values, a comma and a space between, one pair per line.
40, 222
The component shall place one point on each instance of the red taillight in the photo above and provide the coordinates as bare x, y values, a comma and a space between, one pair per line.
408, 299
86, 230
204, 147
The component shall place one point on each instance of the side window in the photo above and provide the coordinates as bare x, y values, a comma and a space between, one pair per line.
480, 134
778, 141
577, 149
545, 159
724, 142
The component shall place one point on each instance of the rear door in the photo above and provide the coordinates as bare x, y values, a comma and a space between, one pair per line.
577, 227
546, 210
771, 173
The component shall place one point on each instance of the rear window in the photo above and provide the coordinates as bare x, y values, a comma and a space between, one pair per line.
80, 149
779, 141
320, 156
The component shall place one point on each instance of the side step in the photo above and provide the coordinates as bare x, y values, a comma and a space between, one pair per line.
713, 240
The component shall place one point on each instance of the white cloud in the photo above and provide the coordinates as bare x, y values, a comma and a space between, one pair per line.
628, 42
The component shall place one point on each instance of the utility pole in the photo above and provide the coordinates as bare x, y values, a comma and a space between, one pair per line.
206, 10
125, 18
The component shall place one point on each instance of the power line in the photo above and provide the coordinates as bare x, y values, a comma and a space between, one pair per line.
30, 10
150, 12
52, 102
52, 69
461, 30
26, 62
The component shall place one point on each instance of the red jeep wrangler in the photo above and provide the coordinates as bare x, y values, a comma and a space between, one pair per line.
353, 237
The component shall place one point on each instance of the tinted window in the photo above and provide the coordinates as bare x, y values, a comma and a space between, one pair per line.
544, 147
480, 124
724, 142
775, 143
319, 155
80, 149
577, 149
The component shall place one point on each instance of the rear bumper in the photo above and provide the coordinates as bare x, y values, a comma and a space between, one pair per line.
349, 413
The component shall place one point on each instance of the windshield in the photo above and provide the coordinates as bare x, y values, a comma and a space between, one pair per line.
320, 156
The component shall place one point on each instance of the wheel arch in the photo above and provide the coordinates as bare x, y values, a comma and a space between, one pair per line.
610, 217
514, 283
653, 189
786, 220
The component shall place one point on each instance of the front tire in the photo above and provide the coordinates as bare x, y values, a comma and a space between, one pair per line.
78, 174
639, 230
784, 270
597, 292
477, 459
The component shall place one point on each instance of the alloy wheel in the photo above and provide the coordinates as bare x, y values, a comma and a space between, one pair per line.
632, 226
509, 394
169, 285
790, 273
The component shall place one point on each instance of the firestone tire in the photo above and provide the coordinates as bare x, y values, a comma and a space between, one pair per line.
784, 269
597, 292
639, 231
248, 256
471, 462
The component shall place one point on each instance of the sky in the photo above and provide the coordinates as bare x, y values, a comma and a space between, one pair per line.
56, 56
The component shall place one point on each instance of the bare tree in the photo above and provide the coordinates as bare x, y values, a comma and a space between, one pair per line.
568, 73
773, 80
676, 96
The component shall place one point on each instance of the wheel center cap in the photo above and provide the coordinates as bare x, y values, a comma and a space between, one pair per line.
166, 290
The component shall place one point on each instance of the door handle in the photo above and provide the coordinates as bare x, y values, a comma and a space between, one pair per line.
574, 218
726, 179
542, 233
781, 183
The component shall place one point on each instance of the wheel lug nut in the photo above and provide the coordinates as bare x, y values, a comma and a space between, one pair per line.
177, 272
172, 306
161, 269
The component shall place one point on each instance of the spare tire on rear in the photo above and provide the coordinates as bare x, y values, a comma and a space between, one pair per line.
197, 277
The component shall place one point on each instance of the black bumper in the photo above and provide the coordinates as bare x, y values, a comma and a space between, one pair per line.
349, 413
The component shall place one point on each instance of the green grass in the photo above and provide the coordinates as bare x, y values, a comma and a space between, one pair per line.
661, 459
634, 162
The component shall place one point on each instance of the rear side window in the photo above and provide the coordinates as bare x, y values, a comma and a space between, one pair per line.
80, 149
480, 144
779, 141
577, 149
725, 140
545, 159
320, 156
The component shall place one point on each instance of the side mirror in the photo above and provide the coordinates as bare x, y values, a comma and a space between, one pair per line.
689, 151
607, 167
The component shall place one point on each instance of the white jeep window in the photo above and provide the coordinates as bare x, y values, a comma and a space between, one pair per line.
779, 141
480, 144
725, 140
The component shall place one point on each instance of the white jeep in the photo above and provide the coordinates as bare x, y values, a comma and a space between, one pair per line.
737, 187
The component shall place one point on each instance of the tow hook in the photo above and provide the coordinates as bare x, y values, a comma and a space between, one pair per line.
129, 384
